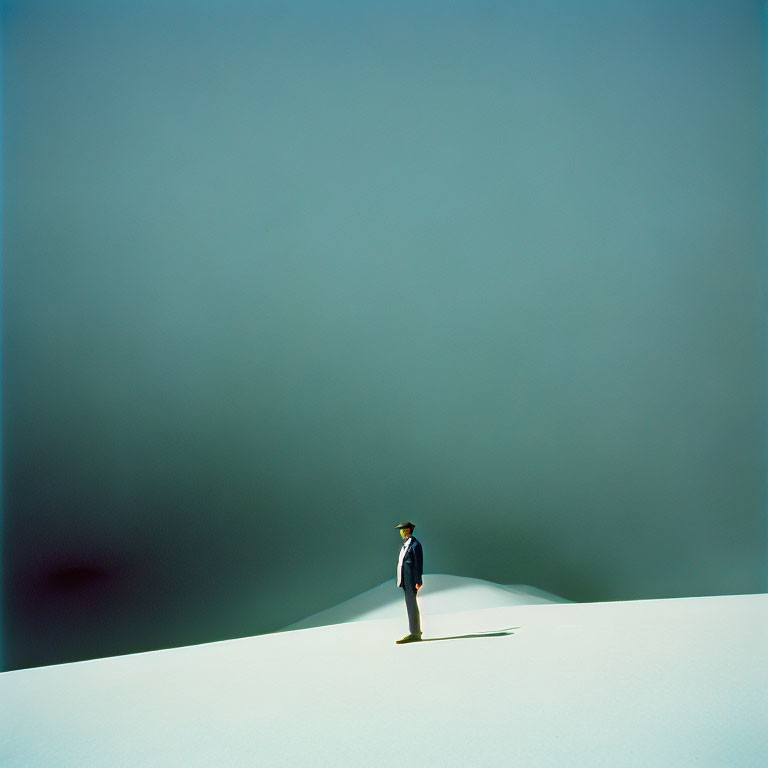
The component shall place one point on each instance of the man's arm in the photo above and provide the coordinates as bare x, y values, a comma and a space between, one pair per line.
418, 557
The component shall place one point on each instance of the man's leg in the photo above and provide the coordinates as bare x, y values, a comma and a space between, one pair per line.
414, 616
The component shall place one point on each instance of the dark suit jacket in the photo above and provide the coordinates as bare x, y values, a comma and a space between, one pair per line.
413, 565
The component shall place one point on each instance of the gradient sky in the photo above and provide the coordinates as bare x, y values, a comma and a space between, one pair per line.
279, 275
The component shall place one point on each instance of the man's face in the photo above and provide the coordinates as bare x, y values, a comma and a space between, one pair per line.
405, 533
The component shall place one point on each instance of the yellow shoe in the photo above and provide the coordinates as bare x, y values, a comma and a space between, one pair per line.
409, 639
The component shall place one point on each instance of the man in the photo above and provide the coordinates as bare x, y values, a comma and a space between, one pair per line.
409, 576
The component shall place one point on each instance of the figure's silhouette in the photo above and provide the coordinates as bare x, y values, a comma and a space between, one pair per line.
410, 567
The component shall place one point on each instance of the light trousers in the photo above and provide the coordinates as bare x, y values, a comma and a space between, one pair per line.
412, 606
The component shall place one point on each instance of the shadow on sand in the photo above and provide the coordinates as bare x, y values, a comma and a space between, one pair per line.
496, 633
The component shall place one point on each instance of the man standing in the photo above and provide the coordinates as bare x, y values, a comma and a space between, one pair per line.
409, 577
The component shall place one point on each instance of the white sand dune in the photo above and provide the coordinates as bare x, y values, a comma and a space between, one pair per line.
441, 593
664, 683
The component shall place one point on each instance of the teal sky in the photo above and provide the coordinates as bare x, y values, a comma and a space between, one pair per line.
279, 275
